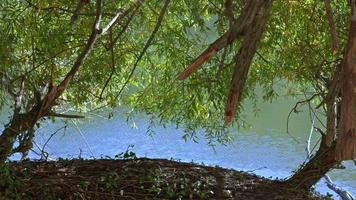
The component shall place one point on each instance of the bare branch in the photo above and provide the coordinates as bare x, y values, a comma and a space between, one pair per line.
53, 114
244, 59
235, 31
345, 195
294, 109
43, 154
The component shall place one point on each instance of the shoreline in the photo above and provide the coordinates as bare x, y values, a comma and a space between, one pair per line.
140, 178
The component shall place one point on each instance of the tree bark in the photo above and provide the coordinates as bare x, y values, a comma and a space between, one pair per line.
346, 142
315, 169
335, 148
244, 59
19, 124
249, 13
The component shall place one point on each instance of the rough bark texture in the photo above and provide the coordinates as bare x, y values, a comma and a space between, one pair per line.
334, 149
17, 125
244, 59
346, 142
315, 169
250, 24
248, 14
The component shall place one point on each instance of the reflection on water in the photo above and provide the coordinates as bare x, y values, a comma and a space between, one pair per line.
264, 148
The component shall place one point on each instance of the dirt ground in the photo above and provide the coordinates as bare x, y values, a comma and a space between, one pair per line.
137, 179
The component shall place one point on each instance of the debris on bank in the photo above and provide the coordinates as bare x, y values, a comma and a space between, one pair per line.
141, 178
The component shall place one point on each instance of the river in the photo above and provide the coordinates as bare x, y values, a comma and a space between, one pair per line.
264, 148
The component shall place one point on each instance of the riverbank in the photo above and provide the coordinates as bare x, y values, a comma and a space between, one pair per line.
136, 179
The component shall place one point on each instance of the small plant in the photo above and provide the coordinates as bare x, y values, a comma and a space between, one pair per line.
128, 154
177, 187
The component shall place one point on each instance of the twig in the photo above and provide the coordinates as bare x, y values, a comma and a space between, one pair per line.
345, 195
50, 137
309, 138
82, 135
294, 109
113, 68
53, 114
124, 28
148, 43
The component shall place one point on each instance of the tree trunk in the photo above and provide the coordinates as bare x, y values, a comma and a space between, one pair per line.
346, 142
335, 148
19, 124
315, 169
26, 121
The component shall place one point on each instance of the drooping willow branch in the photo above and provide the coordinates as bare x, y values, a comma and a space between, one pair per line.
250, 25
148, 43
23, 122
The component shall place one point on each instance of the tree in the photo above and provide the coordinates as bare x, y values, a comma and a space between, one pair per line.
134, 53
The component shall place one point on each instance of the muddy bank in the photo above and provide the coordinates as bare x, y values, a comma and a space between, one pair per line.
136, 179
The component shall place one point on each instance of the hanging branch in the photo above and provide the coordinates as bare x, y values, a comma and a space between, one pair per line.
235, 31
26, 121
113, 68
244, 59
124, 28
148, 43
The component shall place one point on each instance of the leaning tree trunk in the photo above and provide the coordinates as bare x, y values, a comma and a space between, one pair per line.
324, 159
22, 122
335, 147
315, 169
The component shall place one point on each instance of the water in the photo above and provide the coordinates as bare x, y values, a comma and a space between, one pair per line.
264, 148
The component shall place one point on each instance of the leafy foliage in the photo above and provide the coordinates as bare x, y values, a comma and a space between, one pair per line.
39, 45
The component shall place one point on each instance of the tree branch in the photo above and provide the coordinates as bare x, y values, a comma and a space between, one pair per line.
138, 5
244, 58
332, 27
113, 68
236, 30
148, 43
53, 114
